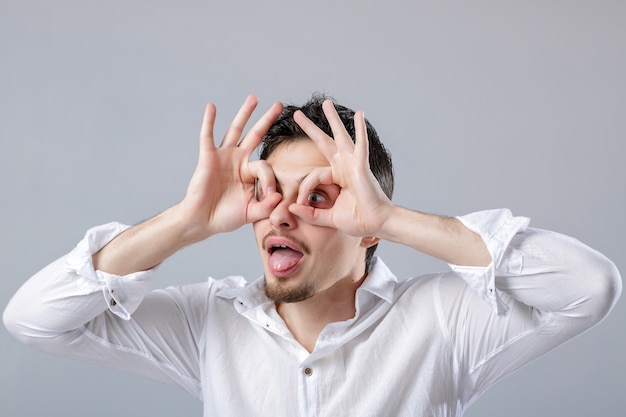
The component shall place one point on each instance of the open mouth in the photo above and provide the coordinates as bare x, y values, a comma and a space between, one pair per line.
284, 257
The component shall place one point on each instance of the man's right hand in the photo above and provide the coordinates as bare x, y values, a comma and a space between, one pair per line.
220, 197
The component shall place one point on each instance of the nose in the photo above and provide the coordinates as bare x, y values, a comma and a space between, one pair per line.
281, 217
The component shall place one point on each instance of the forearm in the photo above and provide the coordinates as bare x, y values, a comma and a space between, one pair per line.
548, 271
146, 245
445, 238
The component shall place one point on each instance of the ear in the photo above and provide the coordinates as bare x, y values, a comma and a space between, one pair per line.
369, 241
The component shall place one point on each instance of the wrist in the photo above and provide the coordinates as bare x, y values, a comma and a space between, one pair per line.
181, 228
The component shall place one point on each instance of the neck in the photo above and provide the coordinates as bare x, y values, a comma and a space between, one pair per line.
306, 319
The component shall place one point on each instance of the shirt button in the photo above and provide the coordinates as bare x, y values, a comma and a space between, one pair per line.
308, 371
113, 303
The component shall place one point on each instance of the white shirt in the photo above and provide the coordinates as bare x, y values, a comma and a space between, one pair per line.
426, 346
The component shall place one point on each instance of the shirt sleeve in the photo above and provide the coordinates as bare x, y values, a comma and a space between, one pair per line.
541, 289
122, 295
496, 228
71, 310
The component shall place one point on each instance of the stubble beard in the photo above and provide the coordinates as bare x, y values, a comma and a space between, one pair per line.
280, 292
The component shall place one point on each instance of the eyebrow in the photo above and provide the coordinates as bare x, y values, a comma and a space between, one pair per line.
302, 178
299, 181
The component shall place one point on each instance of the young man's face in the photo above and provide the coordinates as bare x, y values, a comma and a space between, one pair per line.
301, 260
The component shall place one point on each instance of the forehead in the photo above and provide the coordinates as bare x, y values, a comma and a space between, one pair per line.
295, 157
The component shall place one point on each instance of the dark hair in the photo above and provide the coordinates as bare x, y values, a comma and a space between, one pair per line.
286, 129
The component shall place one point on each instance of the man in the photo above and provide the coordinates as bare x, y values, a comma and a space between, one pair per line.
327, 330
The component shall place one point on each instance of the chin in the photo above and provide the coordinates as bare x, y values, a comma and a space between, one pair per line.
279, 290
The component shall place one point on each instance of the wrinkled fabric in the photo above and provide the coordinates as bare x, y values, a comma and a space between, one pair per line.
424, 346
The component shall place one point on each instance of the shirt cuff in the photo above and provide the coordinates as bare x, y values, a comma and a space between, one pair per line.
496, 228
122, 294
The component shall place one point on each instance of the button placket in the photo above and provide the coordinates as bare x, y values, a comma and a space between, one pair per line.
308, 391
112, 303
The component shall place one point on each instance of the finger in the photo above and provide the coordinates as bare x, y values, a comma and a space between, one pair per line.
258, 210
260, 128
325, 143
236, 127
342, 138
312, 215
206, 131
361, 139
263, 173
314, 178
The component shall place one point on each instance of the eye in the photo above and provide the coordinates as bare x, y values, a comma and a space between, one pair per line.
316, 198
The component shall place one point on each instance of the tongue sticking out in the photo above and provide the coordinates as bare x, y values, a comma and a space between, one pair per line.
282, 260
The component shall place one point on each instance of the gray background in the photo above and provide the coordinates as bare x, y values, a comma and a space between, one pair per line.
484, 104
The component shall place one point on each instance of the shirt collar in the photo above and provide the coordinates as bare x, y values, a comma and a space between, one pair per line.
249, 295
380, 281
